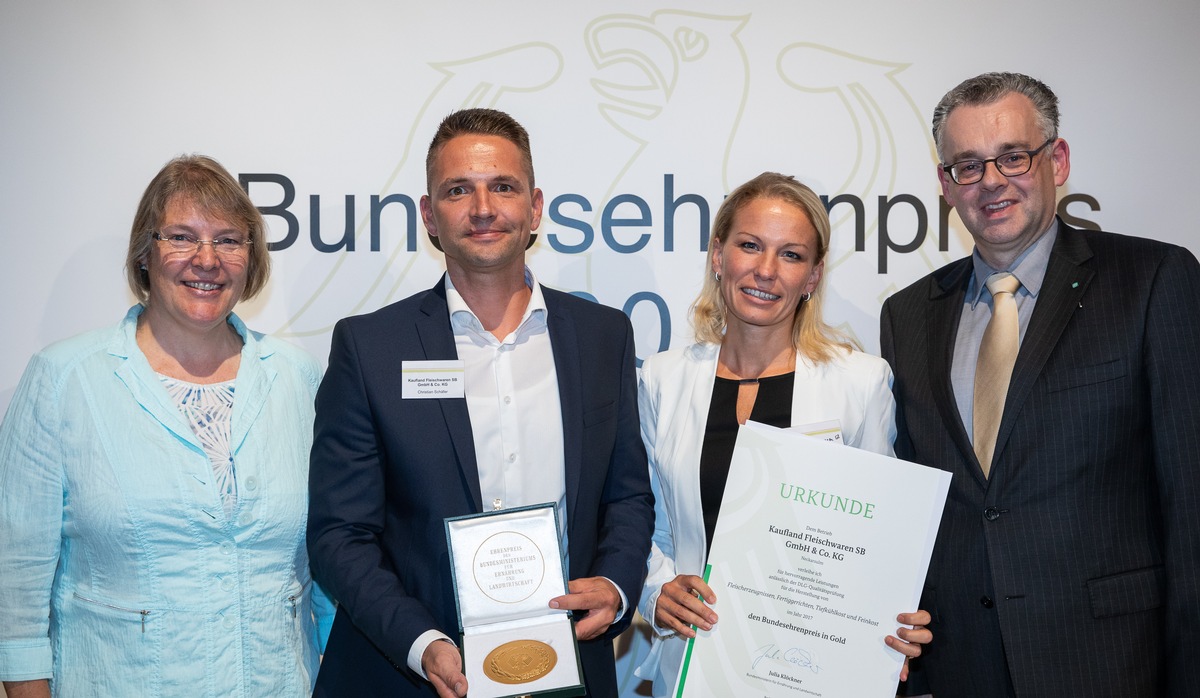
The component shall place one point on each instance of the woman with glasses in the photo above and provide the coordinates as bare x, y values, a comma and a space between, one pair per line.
762, 353
153, 477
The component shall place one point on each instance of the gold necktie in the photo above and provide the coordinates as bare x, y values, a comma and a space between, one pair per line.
997, 353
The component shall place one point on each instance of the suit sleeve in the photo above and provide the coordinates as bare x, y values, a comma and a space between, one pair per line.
324, 608
347, 508
1172, 345
661, 565
887, 348
627, 506
917, 683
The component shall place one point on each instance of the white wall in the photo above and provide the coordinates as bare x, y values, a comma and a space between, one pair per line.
342, 99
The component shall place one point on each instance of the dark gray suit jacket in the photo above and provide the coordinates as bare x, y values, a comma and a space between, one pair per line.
385, 473
1074, 570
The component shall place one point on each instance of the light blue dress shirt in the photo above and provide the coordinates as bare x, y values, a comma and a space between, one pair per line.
1030, 270
121, 574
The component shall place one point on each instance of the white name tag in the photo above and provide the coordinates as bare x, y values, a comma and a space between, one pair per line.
825, 431
432, 379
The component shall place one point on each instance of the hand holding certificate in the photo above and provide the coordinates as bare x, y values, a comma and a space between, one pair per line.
817, 547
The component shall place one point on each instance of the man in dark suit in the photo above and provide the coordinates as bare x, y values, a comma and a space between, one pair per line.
1068, 559
548, 413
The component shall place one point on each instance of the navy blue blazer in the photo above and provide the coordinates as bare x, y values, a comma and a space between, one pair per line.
386, 472
1074, 570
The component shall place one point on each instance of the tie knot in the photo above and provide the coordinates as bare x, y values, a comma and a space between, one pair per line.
1003, 282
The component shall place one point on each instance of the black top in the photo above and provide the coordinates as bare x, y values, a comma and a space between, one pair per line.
772, 406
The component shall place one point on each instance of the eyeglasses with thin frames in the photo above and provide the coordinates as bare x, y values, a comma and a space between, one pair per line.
1011, 164
227, 247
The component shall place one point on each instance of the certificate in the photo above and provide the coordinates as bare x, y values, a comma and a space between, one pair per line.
818, 546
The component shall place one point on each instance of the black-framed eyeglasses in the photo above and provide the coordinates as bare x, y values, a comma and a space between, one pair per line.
228, 247
1011, 164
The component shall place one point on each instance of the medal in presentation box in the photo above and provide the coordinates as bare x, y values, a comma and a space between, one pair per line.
507, 565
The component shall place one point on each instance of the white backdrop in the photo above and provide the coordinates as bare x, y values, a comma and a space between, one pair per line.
622, 99
630, 105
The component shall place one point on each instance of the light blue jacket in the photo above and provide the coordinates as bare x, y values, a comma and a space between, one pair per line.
120, 574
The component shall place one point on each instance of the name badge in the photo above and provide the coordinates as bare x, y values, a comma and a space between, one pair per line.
432, 379
825, 431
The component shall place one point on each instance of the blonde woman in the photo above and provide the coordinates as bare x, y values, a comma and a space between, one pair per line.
762, 352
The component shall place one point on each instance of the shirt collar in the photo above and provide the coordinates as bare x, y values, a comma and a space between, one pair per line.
463, 318
1029, 268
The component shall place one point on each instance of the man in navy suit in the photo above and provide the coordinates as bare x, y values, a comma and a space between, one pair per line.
1068, 559
546, 411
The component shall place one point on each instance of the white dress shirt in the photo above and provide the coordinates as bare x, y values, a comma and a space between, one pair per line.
512, 397
516, 417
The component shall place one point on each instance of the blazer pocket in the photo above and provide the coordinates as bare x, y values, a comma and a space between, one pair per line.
600, 414
1087, 374
1127, 592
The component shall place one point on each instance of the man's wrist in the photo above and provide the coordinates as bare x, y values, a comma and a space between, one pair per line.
416, 654
622, 603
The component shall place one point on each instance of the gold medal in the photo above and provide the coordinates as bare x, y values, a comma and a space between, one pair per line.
519, 661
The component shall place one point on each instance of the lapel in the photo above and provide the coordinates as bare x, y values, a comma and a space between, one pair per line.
946, 297
703, 381
1066, 281
685, 436
695, 402
437, 343
564, 343
254, 380
139, 379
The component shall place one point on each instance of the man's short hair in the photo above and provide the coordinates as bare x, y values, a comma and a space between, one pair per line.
483, 122
992, 87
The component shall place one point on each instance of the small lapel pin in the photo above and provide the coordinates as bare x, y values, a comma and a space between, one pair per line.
1075, 285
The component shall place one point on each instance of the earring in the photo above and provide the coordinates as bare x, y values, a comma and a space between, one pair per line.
717, 275
805, 298
142, 267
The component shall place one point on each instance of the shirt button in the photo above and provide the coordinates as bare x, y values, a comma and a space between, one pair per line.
226, 584
226, 548
507, 399
991, 513
227, 622
251, 483
986, 601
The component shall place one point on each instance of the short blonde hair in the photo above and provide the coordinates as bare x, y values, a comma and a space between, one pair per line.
209, 186
810, 335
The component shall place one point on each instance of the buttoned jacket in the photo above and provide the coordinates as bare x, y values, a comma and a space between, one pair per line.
1074, 569
387, 471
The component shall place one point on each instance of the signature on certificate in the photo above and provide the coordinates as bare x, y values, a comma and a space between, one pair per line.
796, 656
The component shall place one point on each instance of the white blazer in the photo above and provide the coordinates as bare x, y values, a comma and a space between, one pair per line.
674, 392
